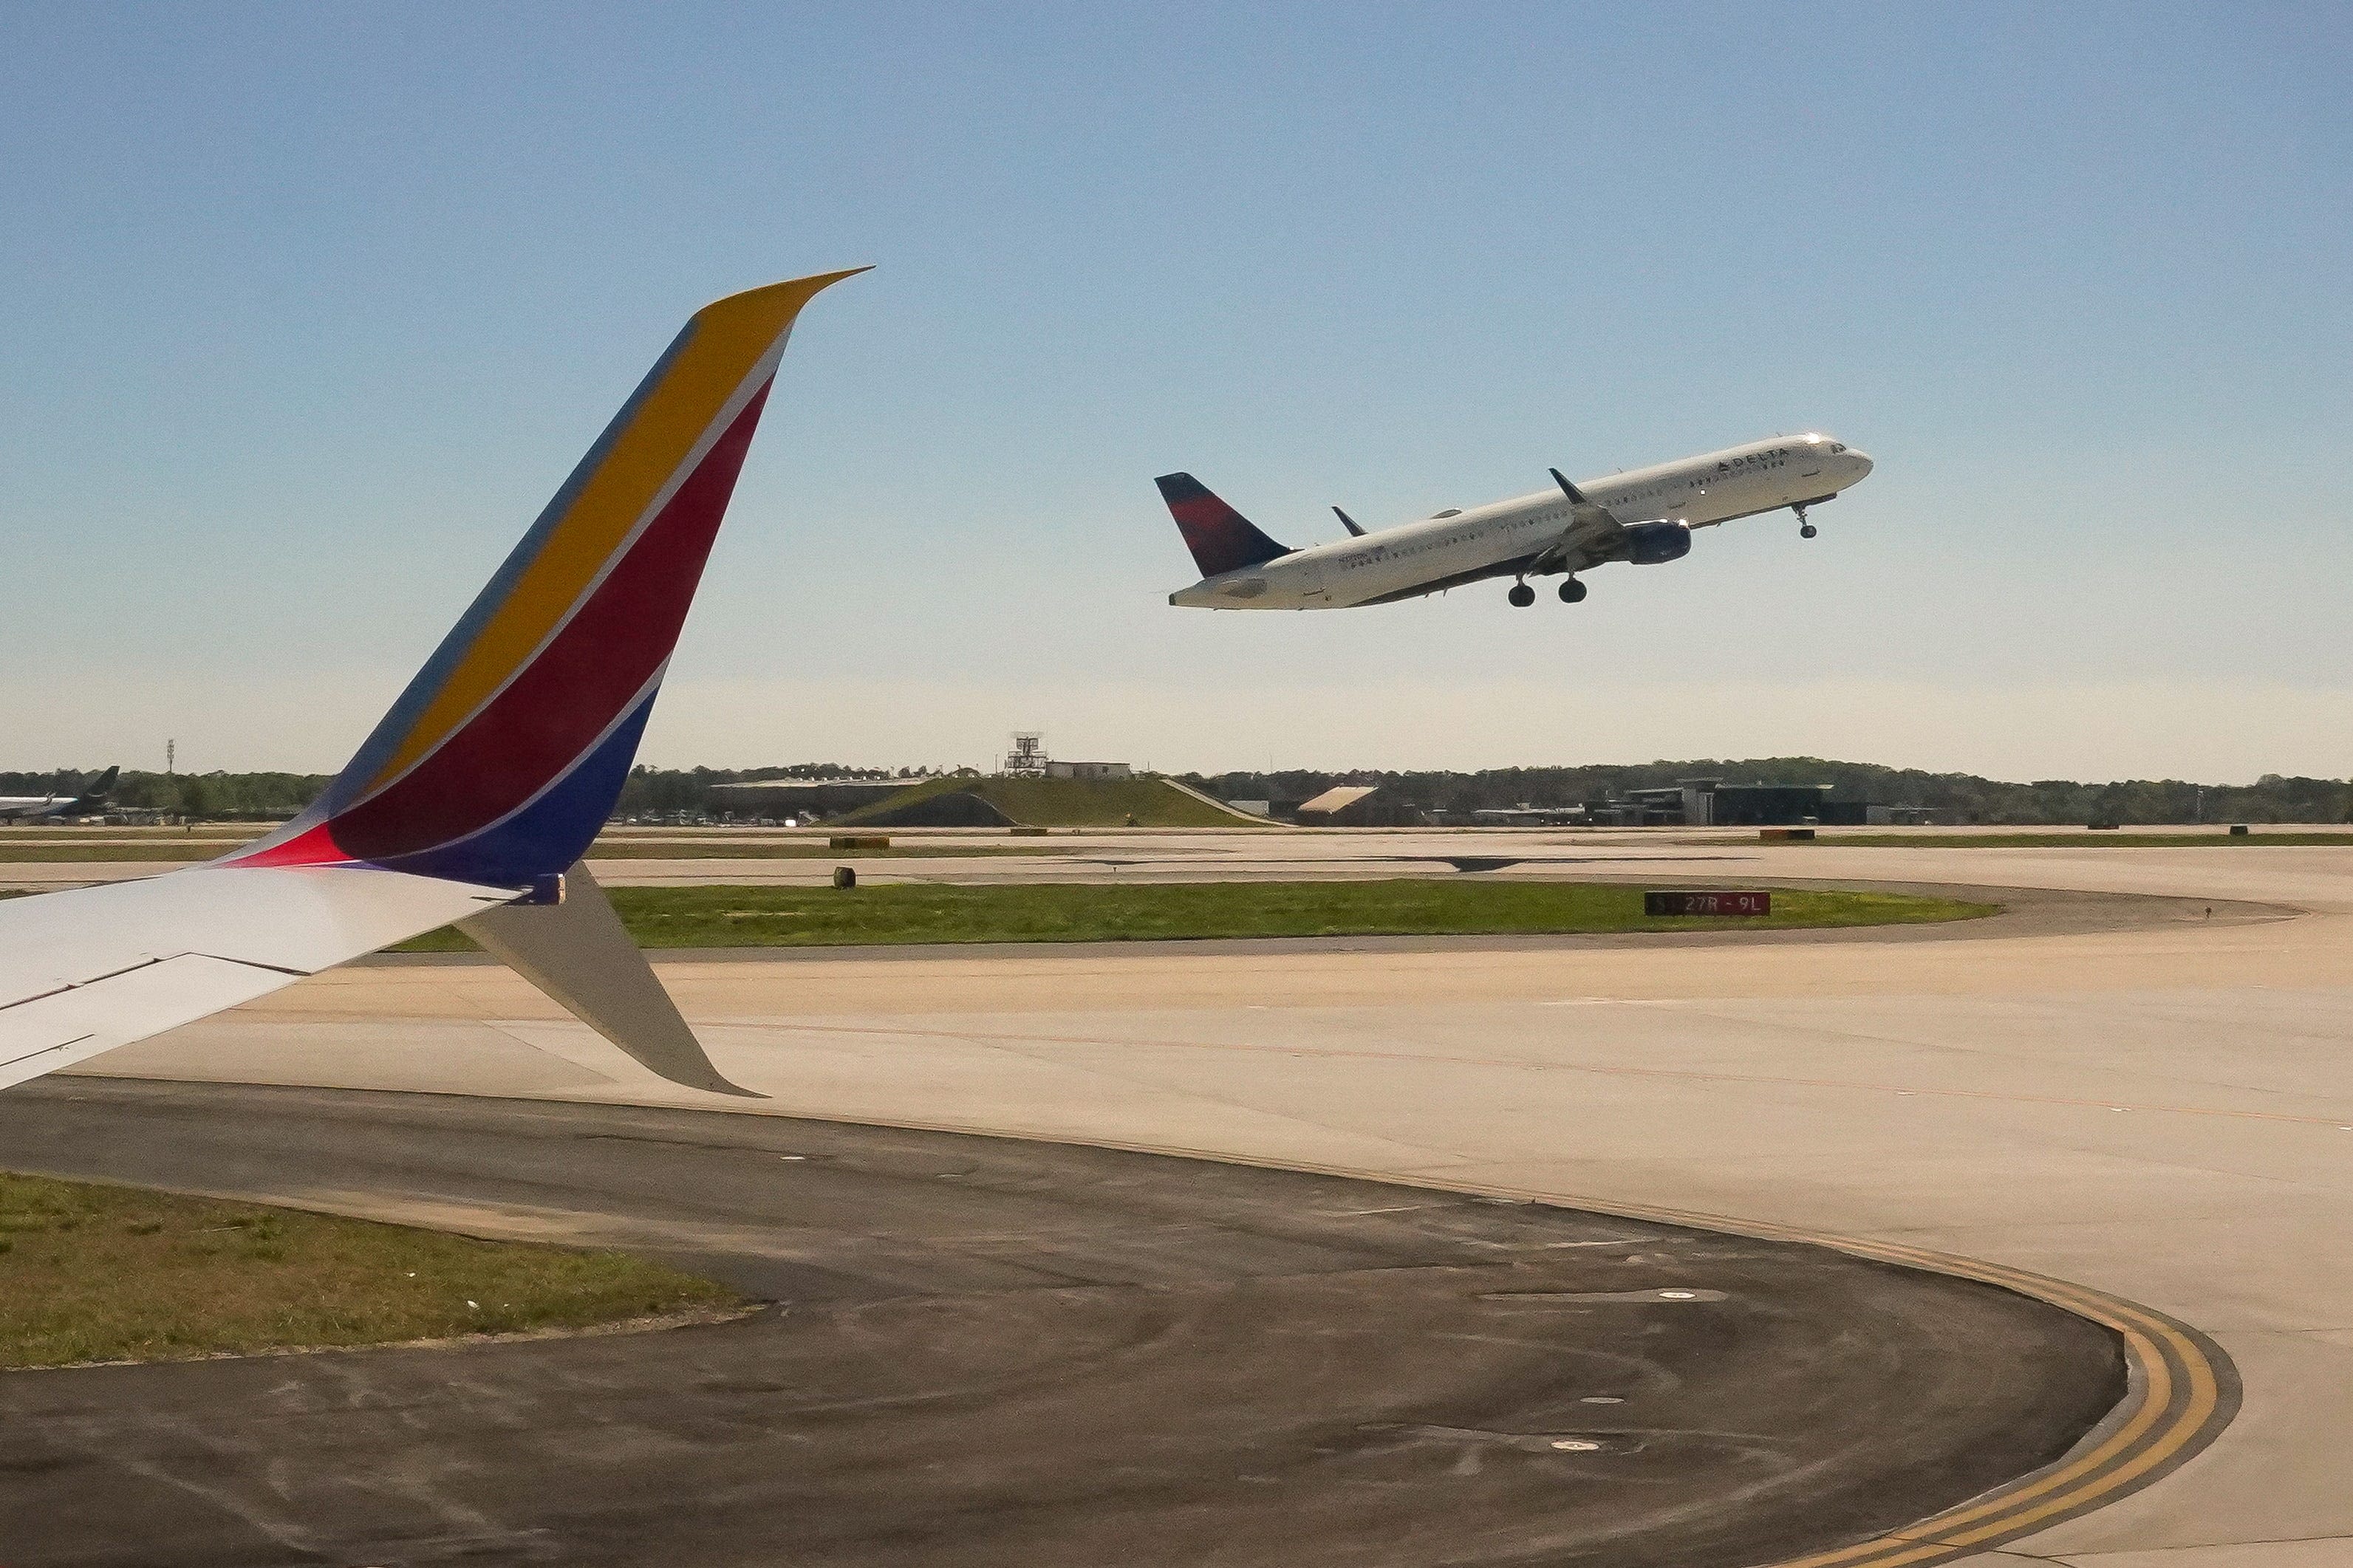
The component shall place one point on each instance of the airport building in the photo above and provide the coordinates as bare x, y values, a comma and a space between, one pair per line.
1711, 803
1028, 759
1359, 805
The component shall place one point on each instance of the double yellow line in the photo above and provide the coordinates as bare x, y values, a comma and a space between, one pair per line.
2181, 1392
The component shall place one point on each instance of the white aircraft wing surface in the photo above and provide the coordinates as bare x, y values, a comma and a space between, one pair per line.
86, 971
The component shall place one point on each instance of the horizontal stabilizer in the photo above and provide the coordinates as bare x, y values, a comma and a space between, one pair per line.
1221, 539
578, 952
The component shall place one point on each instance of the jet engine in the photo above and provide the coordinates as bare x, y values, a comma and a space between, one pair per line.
1648, 543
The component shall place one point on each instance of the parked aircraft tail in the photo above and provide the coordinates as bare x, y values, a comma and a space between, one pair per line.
94, 794
1221, 539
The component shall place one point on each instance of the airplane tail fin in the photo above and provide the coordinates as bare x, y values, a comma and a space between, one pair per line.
95, 794
503, 758
1221, 539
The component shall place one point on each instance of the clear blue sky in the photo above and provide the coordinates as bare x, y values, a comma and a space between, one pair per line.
309, 307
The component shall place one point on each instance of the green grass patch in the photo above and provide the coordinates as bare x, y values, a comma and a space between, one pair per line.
800, 849
902, 912
92, 1273
2084, 838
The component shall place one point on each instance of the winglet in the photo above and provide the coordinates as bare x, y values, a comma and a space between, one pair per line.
1348, 523
579, 953
1567, 489
503, 759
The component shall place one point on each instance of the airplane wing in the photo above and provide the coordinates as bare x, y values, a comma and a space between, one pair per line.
1592, 533
88, 970
488, 779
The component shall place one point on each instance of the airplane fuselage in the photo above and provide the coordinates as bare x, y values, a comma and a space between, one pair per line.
1512, 537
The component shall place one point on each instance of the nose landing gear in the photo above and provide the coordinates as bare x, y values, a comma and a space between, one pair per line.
1521, 596
1805, 530
1572, 592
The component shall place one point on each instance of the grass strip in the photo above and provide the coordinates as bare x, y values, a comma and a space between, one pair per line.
802, 849
90, 1272
924, 912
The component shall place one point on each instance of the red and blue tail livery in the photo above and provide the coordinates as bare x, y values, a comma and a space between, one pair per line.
475, 797
1221, 539
503, 758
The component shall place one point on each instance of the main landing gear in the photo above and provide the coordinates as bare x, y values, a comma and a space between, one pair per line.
1572, 592
1805, 530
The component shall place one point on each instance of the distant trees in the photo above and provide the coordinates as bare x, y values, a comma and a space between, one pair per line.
217, 795
197, 797
665, 791
1963, 797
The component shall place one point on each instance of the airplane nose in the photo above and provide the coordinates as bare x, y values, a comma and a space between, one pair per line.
1862, 461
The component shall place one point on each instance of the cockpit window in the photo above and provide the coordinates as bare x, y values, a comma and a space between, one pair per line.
1838, 446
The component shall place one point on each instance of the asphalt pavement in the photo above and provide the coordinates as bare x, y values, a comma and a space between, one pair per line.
983, 1350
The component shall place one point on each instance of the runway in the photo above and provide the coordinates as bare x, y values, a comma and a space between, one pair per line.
2160, 1110
993, 1352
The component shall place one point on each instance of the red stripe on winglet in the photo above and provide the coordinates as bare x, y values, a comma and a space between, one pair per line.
314, 847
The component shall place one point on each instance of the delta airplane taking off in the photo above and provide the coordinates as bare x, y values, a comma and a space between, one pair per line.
476, 795
1645, 517
89, 803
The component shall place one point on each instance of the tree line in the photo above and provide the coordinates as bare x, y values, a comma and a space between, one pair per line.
1962, 798
212, 797
1958, 798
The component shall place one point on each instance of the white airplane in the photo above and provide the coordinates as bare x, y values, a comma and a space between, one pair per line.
476, 795
87, 802
1645, 517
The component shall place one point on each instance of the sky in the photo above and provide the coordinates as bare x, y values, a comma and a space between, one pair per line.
310, 308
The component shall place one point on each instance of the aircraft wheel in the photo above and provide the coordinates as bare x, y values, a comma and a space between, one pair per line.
1807, 531
1572, 592
1522, 595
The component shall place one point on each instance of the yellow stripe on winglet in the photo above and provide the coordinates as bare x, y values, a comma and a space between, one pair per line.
729, 338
